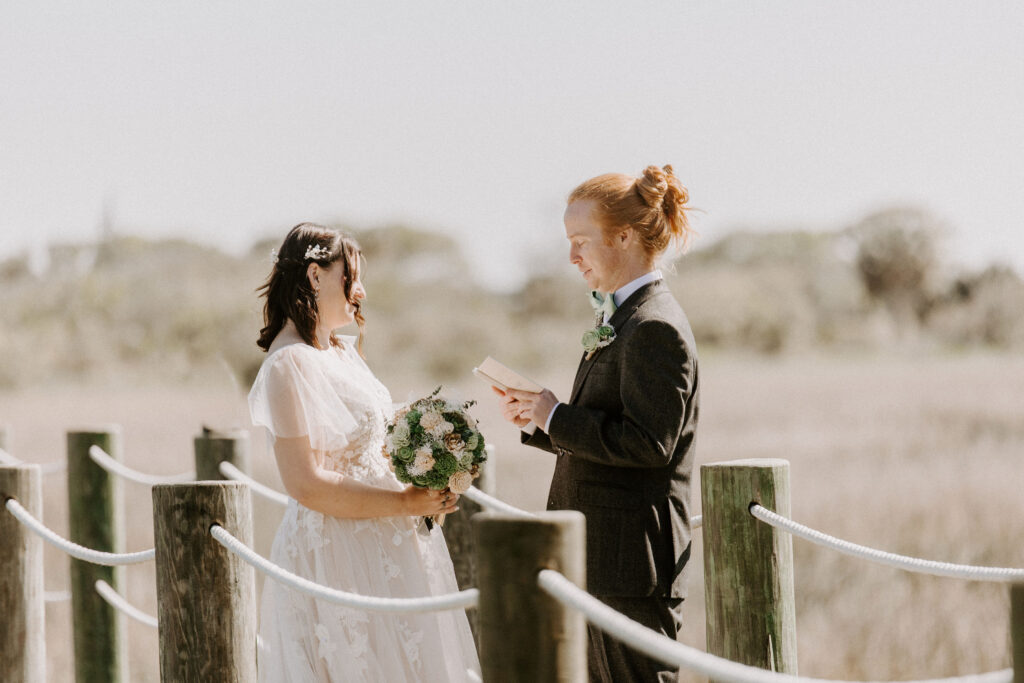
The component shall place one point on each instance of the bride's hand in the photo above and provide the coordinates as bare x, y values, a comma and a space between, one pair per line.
424, 502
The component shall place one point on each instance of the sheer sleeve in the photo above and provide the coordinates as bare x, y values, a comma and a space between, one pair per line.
293, 396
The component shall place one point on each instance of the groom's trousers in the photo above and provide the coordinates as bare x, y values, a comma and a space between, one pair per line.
611, 661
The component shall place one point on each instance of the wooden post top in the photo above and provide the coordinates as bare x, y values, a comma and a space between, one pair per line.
15, 472
97, 429
749, 463
182, 486
19, 466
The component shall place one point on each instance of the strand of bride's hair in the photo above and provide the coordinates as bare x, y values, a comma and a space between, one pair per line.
361, 323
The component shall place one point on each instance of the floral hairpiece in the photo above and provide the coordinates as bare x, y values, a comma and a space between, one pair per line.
273, 256
316, 252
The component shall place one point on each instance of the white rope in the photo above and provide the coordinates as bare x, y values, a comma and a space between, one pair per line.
484, 500
232, 472
56, 596
102, 459
115, 600
913, 564
664, 649
44, 468
460, 600
73, 549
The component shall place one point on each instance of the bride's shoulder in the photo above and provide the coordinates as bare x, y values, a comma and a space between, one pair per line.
287, 357
287, 349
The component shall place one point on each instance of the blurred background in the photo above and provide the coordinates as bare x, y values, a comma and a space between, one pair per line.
855, 287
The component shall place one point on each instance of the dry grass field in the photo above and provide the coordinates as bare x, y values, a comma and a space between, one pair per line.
916, 455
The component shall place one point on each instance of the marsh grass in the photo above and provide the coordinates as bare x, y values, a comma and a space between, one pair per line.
918, 455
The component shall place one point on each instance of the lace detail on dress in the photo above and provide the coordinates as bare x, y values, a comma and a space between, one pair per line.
370, 404
410, 644
362, 458
309, 527
391, 569
327, 647
306, 639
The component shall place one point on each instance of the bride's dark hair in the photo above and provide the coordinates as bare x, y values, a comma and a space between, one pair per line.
288, 293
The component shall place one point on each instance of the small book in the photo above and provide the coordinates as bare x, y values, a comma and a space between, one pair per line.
501, 376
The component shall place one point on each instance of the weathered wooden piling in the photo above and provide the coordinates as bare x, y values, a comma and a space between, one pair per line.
525, 634
458, 534
23, 636
206, 596
1017, 630
215, 446
96, 521
748, 565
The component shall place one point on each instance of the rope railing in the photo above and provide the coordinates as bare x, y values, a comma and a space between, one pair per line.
44, 467
460, 600
73, 549
114, 599
56, 596
912, 564
232, 472
103, 459
492, 503
674, 653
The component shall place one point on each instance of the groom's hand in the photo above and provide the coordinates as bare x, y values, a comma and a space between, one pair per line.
535, 407
510, 409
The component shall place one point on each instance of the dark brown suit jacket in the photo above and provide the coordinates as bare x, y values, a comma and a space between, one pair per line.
625, 447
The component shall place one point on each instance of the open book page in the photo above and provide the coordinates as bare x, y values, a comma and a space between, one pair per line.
503, 377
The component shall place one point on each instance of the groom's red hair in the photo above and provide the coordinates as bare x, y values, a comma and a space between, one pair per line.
654, 205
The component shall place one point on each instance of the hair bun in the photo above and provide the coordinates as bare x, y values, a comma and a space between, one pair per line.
652, 186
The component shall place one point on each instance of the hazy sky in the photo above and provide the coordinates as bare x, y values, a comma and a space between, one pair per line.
228, 121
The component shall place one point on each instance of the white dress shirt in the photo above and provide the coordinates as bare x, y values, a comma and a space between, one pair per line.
619, 296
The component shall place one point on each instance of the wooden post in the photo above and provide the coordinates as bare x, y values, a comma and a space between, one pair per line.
1017, 630
748, 565
4, 438
22, 637
458, 534
213, 446
526, 635
206, 596
96, 521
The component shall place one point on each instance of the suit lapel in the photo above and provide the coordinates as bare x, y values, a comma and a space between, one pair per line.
621, 315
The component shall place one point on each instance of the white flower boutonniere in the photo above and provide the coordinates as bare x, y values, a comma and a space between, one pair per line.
598, 338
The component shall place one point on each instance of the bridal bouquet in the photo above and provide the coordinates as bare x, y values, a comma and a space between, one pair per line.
434, 443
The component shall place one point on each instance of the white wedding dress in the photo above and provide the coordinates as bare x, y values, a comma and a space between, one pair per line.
332, 397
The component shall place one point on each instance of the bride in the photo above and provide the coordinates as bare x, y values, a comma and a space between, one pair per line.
349, 523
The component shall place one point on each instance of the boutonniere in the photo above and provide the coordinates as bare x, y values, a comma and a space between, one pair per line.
601, 336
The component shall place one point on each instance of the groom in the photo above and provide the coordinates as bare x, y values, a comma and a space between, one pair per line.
625, 439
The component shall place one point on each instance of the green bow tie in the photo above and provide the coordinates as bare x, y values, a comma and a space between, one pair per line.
603, 303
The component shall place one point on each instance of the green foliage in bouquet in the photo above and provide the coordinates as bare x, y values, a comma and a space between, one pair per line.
435, 443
